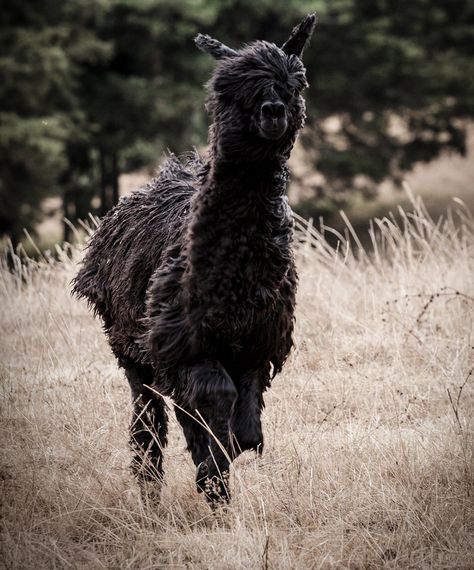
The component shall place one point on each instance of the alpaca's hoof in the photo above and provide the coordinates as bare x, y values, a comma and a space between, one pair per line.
214, 484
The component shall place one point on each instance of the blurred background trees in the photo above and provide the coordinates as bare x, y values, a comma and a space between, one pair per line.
90, 89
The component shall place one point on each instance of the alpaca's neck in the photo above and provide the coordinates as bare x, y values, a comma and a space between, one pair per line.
247, 181
239, 246
244, 191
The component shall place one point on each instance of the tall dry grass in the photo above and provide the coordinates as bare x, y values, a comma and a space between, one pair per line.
369, 431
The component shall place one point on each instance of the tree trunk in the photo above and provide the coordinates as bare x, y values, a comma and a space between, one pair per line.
115, 179
69, 214
103, 183
109, 175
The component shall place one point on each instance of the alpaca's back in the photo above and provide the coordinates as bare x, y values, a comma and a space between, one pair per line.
129, 245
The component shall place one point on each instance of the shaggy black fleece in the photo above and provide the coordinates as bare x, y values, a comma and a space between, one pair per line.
193, 275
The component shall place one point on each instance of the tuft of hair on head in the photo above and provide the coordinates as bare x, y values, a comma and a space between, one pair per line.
300, 36
213, 47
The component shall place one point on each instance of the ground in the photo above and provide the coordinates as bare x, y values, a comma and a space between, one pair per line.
368, 459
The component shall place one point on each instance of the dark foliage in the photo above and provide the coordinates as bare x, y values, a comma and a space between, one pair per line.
194, 275
391, 86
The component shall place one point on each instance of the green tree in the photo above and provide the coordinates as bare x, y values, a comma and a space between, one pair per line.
90, 89
35, 94
146, 96
397, 79
392, 83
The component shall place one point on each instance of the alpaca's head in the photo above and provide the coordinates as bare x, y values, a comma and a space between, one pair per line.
254, 99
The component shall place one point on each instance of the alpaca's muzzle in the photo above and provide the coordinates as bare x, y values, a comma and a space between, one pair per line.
273, 121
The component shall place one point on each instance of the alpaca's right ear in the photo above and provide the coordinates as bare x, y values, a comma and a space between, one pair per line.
213, 47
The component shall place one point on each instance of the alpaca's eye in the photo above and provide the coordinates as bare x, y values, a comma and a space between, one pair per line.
287, 94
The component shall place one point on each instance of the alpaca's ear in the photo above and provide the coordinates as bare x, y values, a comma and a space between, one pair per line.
299, 37
213, 47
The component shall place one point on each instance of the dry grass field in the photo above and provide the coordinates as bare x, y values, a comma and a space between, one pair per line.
369, 430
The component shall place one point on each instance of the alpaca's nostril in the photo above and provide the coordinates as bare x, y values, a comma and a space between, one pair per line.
267, 110
278, 110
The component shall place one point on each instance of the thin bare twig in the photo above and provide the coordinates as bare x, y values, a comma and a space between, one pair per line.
455, 405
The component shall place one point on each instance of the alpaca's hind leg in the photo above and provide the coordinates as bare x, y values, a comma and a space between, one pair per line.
212, 392
148, 429
197, 437
246, 425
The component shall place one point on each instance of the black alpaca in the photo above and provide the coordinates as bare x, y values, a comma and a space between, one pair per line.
194, 276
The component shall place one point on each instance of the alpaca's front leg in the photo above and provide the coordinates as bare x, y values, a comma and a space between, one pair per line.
197, 436
246, 425
213, 394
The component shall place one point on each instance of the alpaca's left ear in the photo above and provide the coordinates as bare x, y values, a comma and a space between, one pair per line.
213, 47
299, 37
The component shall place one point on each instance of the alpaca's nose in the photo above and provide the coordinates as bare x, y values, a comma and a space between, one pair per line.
273, 121
273, 109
